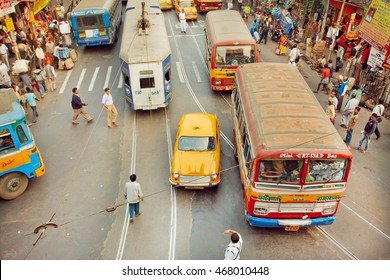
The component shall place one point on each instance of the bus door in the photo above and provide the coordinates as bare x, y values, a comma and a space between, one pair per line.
147, 85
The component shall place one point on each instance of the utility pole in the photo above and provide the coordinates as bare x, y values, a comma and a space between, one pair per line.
324, 19
337, 28
340, 14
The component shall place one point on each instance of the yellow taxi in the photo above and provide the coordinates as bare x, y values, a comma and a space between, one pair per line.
189, 8
166, 4
197, 152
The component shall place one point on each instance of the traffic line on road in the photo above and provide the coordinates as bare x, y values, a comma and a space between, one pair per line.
126, 221
81, 77
90, 88
197, 75
65, 81
179, 72
107, 77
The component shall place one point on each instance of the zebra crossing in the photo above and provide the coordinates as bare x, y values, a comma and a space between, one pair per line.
106, 73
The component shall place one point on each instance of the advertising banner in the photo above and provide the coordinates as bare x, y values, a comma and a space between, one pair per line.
39, 5
6, 8
375, 27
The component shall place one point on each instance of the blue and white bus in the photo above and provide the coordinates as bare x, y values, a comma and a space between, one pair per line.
145, 56
96, 22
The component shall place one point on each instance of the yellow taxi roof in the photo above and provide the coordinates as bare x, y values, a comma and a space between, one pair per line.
197, 124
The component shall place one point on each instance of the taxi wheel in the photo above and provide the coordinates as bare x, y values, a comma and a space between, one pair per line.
12, 185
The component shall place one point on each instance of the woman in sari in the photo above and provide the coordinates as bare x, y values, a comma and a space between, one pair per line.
283, 44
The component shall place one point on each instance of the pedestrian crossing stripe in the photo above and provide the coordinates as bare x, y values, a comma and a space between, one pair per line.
120, 79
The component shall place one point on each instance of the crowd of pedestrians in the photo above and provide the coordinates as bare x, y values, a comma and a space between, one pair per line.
38, 51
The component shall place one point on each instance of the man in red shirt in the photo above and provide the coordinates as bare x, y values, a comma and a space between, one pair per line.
325, 80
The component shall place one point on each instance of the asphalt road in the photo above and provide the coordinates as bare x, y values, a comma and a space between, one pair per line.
88, 165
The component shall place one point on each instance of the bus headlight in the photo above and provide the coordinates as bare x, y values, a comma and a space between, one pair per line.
175, 175
218, 82
214, 176
328, 210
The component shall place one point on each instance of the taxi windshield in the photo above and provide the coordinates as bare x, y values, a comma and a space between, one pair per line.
188, 143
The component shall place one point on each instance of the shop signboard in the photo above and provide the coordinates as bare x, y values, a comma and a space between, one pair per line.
9, 23
376, 57
6, 8
375, 27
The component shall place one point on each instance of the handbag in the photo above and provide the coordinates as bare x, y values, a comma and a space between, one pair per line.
277, 50
379, 119
297, 59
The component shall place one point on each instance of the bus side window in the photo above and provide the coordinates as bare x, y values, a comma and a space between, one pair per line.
21, 134
6, 142
167, 77
126, 79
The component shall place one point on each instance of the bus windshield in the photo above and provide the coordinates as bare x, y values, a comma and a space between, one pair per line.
90, 21
320, 171
187, 143
235, 55
276, 170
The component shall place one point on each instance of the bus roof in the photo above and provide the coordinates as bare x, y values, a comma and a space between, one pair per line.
282, 113
225, 26
10, 109
94, 4
136, 48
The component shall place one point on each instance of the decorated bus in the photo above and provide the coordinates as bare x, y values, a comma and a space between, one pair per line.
294, 165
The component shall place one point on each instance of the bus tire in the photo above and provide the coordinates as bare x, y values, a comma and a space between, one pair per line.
12, 185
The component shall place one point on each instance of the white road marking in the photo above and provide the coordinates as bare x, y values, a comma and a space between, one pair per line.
81, 77
107, 77
65, 81
172, 239
126, 221
90, 88
179, 72
194, 97
196, 72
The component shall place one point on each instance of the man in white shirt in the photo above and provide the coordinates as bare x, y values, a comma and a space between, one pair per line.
233, 249
182, 18
5, 79
348, 110
294, 54
133, 194
40, 54
108, 104
378, 109
4, 53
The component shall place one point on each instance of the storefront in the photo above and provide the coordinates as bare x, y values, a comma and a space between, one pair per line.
351, 15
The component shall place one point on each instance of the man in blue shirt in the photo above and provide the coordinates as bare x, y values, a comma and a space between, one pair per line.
31, 101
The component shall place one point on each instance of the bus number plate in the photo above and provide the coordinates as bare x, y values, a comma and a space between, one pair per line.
291, 228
